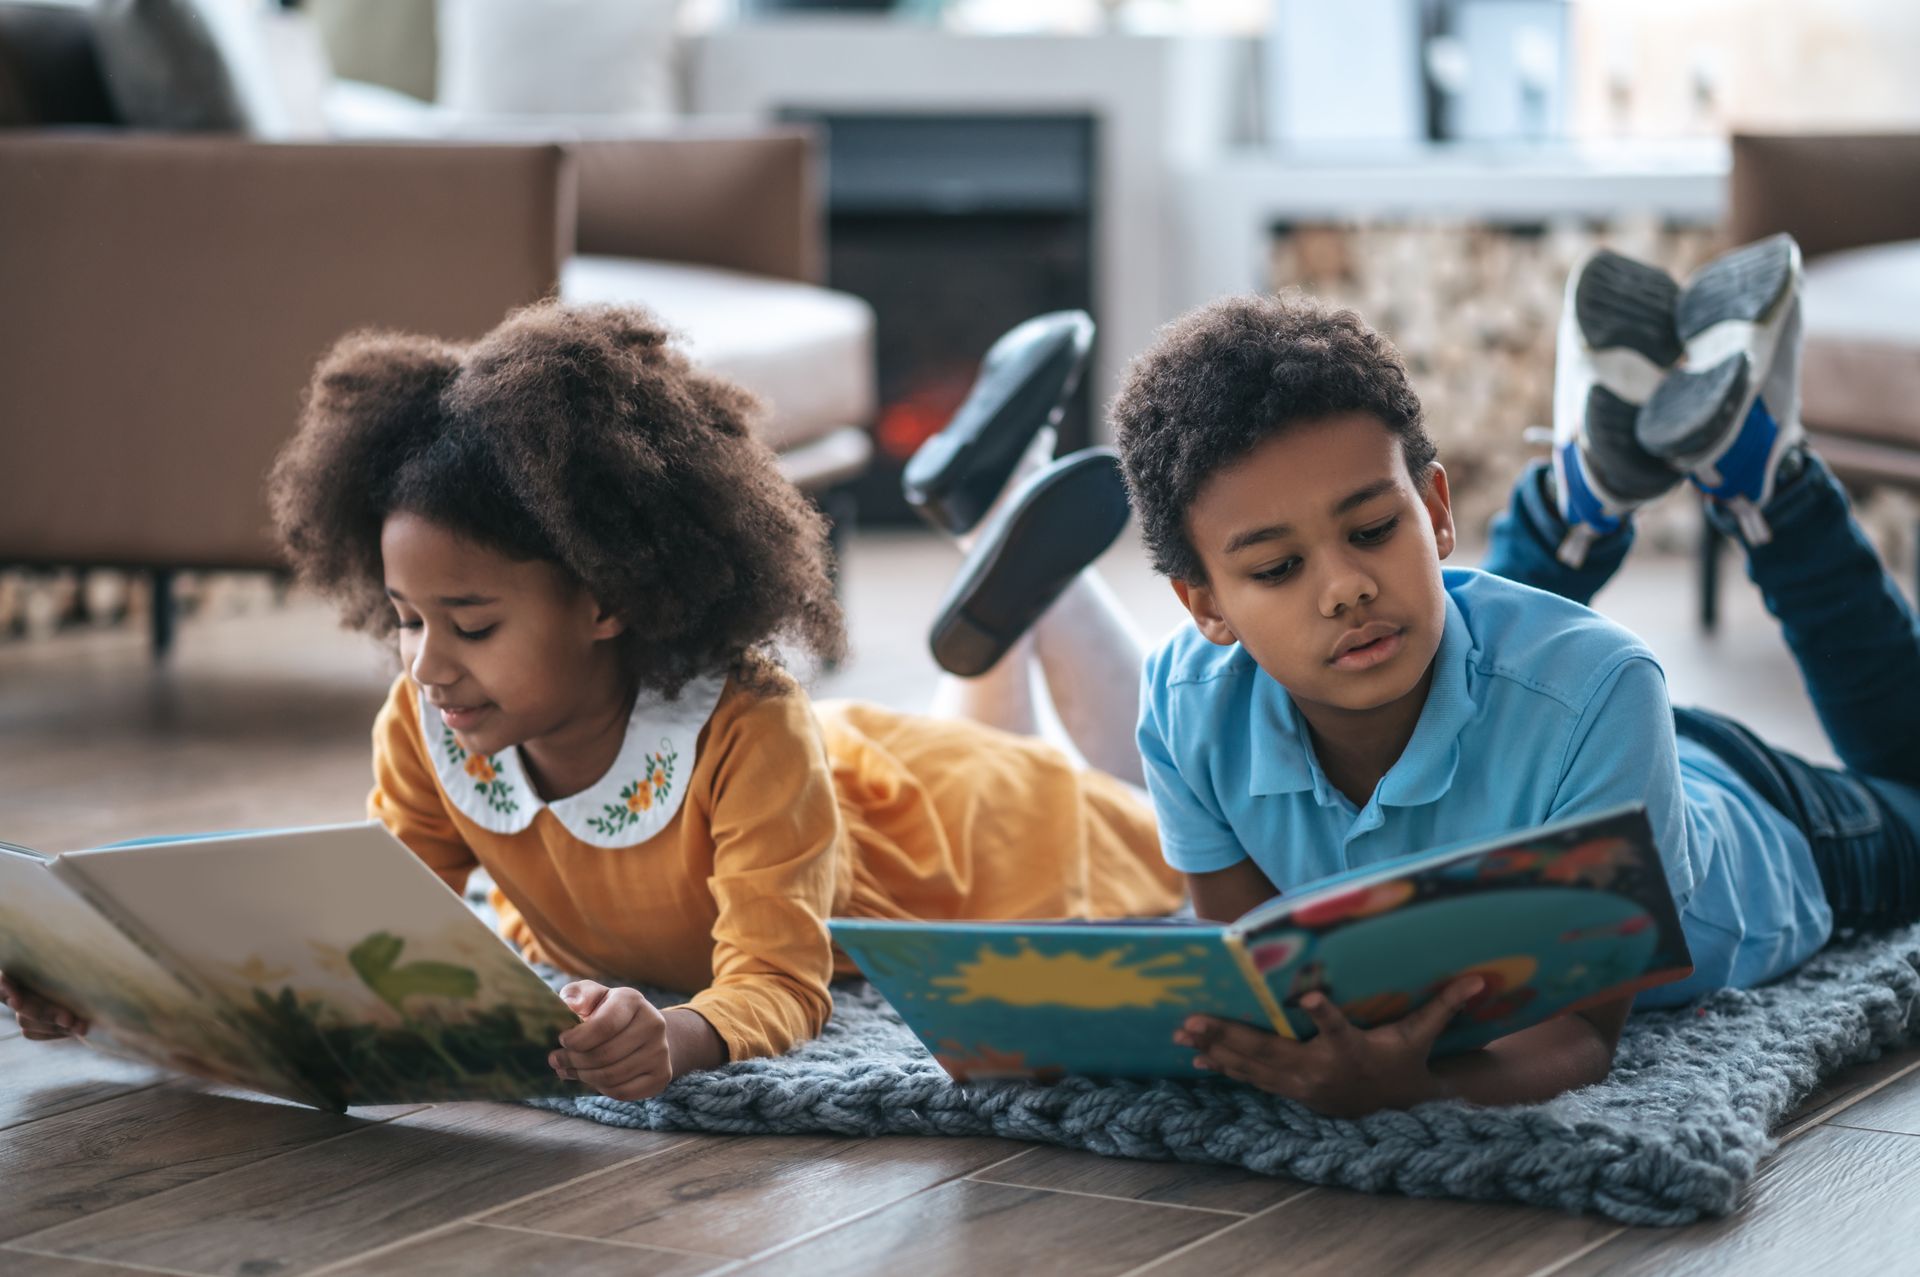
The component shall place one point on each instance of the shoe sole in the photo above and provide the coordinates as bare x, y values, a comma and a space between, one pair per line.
1054, 530
1613, 452
953, 478
1693, 410
1729, 315
1622, 304
1746, 286
1617, 341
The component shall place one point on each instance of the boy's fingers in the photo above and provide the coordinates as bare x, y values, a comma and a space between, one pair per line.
1333, 1024
1430, 1021
1246, 1042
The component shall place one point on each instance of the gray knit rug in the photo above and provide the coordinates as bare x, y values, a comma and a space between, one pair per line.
1674, 1134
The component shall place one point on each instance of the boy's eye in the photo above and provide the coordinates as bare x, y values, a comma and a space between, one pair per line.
1378, 532
473, 635
1278, 572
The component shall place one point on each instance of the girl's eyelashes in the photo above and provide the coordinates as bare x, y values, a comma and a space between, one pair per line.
1278, 572
471, 636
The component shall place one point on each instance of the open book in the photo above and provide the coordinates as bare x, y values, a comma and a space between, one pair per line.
1553, 919
325, 965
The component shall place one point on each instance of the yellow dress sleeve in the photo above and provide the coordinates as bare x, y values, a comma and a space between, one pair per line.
776, 833
406, 798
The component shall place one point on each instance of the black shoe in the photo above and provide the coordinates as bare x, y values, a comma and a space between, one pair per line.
1023, 384
1056, 524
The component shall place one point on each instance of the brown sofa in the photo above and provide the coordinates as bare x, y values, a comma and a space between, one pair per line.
1853, 203
166, 297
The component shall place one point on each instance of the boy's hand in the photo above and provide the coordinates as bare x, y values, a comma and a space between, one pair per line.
1342, 1072
620, 1048
40, 1020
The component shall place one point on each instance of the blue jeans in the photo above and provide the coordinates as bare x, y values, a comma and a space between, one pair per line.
1858, 647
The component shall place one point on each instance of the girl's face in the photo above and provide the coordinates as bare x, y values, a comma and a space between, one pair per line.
508, 651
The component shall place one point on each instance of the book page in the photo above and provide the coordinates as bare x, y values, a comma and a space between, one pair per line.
54, 941
345, 951
1044, 999
1550, 920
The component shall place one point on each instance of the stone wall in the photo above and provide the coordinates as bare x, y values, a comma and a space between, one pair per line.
1474, 308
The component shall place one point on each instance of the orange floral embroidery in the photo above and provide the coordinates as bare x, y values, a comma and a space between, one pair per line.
485, 770
652, 786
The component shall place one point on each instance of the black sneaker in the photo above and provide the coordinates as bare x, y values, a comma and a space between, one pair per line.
1024, 383
1054, 525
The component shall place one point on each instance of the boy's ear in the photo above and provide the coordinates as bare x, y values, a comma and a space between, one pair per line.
1200, 604
1439, 502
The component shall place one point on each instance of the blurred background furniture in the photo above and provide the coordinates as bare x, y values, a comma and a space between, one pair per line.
1853, 202
168, 294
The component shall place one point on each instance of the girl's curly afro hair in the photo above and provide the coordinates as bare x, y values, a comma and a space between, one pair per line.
575, 435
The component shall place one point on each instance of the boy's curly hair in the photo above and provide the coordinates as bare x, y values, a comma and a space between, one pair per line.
575, 435
1223, 379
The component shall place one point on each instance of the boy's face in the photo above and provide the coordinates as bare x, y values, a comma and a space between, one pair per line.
1323, 560
509, 651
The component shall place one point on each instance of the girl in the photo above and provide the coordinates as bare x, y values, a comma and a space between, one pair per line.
589, 565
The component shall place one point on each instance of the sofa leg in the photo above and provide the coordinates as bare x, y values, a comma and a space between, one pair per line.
838, 504
1710, 539
161, 581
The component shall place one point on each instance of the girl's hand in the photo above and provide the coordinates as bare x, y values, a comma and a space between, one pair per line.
1342, 1072
620, 1048
40, 1020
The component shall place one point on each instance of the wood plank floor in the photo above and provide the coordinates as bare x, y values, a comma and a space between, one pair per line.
262, 718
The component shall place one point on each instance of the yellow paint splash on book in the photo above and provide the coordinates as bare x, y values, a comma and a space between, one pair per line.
1097, 983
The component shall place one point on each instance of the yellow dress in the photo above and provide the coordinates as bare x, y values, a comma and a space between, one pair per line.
735, 823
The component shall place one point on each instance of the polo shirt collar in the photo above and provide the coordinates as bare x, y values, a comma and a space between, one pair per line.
1282, 750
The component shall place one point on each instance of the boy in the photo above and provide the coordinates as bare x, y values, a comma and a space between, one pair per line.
1342, 699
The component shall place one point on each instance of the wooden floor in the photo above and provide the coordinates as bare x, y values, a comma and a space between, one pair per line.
263, 718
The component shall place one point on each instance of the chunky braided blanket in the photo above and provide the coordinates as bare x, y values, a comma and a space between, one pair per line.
1676, 1133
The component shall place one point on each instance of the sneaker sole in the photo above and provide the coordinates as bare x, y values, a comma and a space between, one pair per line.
1692, 411
1730, 317
1616, 343
953, 478
1746, 286
1623, 304
1053, 532
1613, 453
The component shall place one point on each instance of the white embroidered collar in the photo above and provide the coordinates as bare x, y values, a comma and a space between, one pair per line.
631, 803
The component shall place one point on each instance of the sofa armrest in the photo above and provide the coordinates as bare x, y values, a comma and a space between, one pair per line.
745, 200
1830, 191
167, 299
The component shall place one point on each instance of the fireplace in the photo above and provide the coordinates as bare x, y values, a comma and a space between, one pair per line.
954, 228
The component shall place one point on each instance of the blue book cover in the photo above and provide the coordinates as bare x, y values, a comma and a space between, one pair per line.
1551, 919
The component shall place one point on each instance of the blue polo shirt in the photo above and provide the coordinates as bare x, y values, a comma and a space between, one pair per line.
1539, 709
